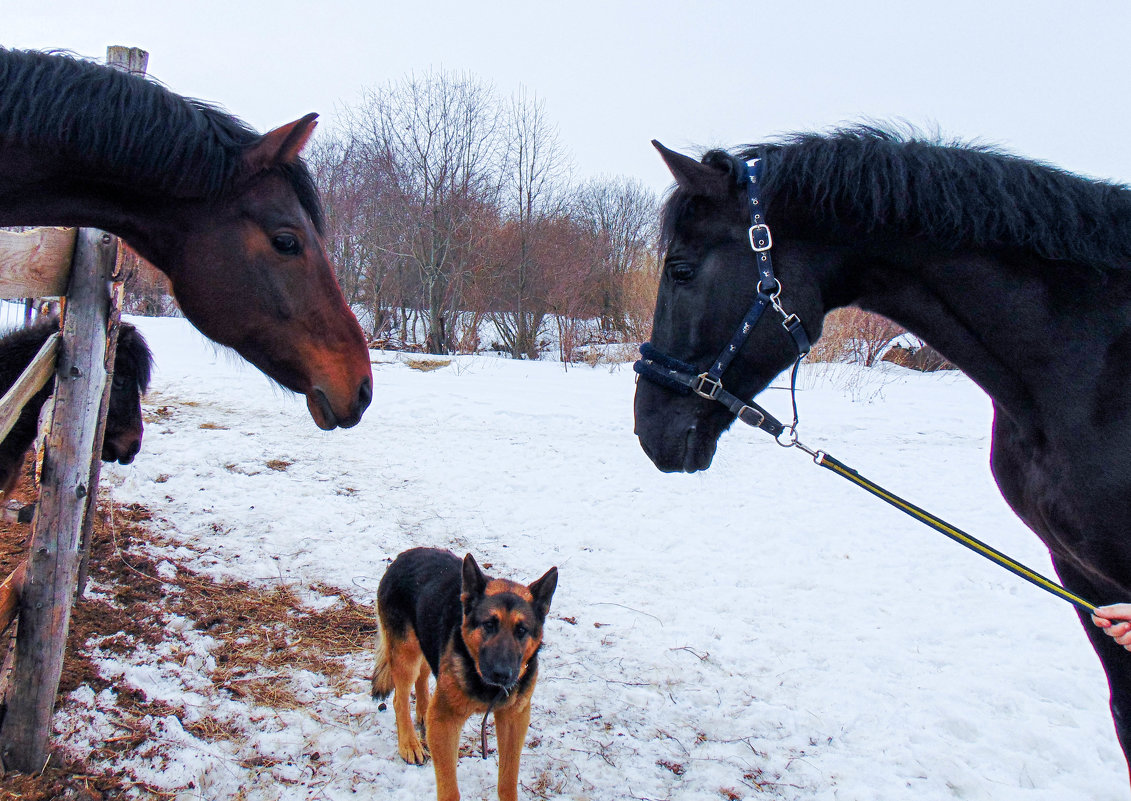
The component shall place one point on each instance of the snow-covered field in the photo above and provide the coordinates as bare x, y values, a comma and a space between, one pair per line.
760, 630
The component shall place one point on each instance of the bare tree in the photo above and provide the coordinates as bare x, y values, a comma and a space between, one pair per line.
534, 174
856, 336
621, 214
435, 141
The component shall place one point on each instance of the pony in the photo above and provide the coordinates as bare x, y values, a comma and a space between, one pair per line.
133, 366
232, 217
1017, 272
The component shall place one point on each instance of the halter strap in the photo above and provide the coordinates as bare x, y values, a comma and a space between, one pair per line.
681, 376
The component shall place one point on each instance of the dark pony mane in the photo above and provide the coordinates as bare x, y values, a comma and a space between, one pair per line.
19, 345
129, 127
133, 356
865, 180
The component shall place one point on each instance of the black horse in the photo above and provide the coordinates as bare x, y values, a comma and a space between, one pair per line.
1017, 272
133, 365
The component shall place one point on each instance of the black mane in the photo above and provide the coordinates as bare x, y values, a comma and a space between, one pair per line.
127, 126
856, 181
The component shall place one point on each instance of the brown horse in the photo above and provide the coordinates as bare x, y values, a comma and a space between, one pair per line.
230, 216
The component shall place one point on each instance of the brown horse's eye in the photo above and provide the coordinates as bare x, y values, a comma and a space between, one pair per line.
681, 271
287, 244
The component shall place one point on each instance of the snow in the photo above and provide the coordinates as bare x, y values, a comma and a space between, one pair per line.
762, 629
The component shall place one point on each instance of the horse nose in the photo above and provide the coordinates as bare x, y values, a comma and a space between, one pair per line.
364, 395
131, 452
120, 449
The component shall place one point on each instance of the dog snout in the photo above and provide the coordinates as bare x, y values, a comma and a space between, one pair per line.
499, 672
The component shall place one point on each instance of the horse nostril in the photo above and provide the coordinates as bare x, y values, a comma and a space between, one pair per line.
364, 395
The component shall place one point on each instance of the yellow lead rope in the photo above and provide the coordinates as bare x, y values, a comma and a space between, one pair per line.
1018, 569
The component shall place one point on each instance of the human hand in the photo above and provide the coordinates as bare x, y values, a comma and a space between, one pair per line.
1115, 620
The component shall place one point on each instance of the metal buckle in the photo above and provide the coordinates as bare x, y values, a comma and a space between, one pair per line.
769, 239
790, 321
742, 415
706, 381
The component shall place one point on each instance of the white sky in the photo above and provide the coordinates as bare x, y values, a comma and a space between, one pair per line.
1043, 79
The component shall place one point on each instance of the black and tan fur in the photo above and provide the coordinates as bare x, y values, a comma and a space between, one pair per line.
479, 637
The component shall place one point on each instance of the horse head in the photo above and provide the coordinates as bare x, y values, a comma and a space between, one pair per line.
133, 366
708, 283
251, 272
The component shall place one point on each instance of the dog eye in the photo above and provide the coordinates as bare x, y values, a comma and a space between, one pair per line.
520, 631
490, 625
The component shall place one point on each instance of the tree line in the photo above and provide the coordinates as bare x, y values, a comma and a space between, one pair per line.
449, 207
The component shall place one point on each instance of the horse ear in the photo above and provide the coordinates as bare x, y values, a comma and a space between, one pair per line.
474, 582
543, 591
694, 176
279, 146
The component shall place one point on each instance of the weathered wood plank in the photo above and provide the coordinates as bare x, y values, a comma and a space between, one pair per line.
45, 603
34, 376
35, 263
10, 596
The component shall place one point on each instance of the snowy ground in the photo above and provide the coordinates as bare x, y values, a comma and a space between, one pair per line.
759, 630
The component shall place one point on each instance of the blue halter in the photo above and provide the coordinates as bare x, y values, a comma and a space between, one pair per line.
683, 377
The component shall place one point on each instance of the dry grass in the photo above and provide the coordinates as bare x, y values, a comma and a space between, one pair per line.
428, 365
265, 635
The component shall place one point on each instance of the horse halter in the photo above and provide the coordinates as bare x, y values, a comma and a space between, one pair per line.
680, 376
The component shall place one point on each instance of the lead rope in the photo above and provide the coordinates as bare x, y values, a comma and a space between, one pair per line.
926, 518
500, 695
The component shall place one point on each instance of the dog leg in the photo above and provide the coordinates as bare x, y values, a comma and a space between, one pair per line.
443, 728
405, 662
422, 697
511, 724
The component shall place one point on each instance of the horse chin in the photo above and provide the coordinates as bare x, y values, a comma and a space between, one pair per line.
677, 434
322, 411
686, 453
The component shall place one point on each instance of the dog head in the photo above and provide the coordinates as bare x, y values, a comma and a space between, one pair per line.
502, 622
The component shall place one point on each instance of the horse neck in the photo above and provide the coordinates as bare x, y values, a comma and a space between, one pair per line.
41, 190
1001, 319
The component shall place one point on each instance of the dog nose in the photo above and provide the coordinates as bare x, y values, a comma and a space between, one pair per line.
501, 676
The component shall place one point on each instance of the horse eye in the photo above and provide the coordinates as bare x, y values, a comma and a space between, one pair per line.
287, 244
681, 271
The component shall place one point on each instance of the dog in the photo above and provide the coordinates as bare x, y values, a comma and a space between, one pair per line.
479, 637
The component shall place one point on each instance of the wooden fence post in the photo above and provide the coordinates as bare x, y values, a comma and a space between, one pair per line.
133, 60
49, 583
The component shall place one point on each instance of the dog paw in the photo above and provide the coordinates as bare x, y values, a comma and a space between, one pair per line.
412, 752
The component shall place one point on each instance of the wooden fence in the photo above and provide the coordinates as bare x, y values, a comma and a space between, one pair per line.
83, 267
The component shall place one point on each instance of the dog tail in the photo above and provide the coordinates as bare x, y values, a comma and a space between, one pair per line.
383, 673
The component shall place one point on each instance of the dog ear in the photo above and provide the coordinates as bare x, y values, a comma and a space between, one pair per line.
543, 591
474, 582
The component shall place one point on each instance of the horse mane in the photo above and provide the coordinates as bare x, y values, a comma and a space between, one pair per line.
864, 180
133, 356
18, 347
133, 129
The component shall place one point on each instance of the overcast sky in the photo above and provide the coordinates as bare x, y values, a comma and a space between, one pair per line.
1043, 79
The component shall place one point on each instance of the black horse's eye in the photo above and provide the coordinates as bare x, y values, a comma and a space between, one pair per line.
287, 244
681, 271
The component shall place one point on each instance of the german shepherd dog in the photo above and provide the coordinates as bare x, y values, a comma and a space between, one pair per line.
479, 636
